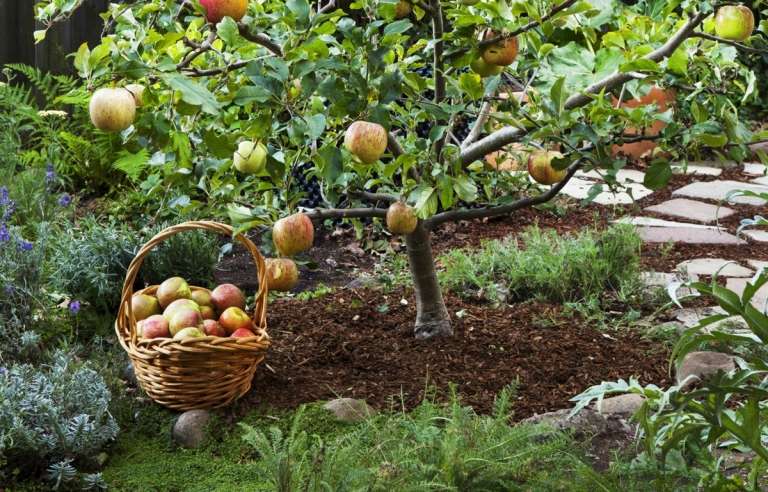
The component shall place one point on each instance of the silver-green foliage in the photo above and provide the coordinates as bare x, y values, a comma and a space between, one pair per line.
53, 417
542, 264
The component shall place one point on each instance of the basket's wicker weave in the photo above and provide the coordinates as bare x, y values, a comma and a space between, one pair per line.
205, 372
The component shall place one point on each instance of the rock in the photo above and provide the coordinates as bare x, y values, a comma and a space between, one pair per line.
754, 169
657, 279
622, 405
692, 317
763, 181
579, 189
759, 300
757, 264
349, 410
654, 222
714, 266
697, 169
189, 431
699, 365
362, 282
756, 235
129, 374
692, 210
718, 190
687, 235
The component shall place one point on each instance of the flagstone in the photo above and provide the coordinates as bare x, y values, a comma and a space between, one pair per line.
579, 189
755, 169
687, 235
694, 169
714, 266
692, 210
759, 300
718, 190
654, 222
756, 235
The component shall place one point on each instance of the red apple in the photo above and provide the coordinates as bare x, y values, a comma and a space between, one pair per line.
156, 326
202, 297
234, 318
734, 22
367, 141
172, 289
242, 333
112, 110
403, 9
401, 219
282, 274
540, 167
227, 295
208, 312
144, 306
213, 328
189, 332
293, 234
185, 318
215, 10
502, 52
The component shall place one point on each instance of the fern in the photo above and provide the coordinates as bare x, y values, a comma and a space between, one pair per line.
48, 85
132, 164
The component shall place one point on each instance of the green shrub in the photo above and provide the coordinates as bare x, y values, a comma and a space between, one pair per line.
191, 255
53, 419
542, 264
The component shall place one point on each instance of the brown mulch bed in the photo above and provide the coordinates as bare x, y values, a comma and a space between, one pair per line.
347, 344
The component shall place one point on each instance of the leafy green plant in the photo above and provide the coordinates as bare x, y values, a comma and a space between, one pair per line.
53, 419
542, 264
726, 412
191, 255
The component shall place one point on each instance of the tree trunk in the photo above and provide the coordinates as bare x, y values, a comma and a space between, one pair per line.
432, 317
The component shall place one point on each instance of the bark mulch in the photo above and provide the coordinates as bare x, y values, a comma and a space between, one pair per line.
360, 344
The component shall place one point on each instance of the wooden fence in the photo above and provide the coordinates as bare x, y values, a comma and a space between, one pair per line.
17, 23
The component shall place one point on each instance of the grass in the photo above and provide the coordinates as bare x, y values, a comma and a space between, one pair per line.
434, 447
543, 265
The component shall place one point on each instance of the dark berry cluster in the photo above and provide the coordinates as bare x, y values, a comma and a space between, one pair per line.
310, 185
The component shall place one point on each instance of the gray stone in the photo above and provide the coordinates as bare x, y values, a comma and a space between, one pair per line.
763, 181
687, 235
718, 190
657, 279
129, 374
622, 405
579, 189
692, 210
586, 423
698, 170
349, 410
756, 235
691, 317
755, 169
714, 266
700, 365
759, 300
654, 222
189, 431
362, 282
757, 264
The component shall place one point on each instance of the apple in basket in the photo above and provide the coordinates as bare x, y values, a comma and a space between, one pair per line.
242, 333
144, 306
189, 332
172, 289
156, 326
208, 312
234, 318
227, 295
213, 328
178, 305
185, 318
202, 298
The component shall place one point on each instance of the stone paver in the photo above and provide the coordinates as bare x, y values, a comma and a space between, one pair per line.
757, 264
189, 430
691, 210
714, 266
756, 235
700, 365
654, 222
759, 300
622, 405
718, 190
697, 170
763, 181
754, 168
579, 189
687, 235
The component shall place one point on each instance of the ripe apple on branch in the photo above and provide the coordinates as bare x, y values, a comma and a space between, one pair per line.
379, 111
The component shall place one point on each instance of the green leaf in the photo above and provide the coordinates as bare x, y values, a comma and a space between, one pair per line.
640, 65
193, 93
227, 30
715, 141
331, 163
472, 85
658, 175
397, 27
315, 126
132, 164
678, 62
465, 188
299, 8
558, 95
252, 93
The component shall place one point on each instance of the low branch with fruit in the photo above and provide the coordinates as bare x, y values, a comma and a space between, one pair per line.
389, 109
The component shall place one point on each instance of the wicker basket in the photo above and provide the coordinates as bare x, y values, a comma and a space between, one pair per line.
205, 372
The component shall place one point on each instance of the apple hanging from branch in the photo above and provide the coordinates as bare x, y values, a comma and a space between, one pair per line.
366, 141
112, 110
540, 167
734, 22
216, 10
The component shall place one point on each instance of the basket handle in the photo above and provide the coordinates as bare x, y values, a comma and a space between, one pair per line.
260, 310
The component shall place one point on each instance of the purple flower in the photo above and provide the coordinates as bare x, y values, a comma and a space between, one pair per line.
50, 174
74, 307
25, 245
8, 289
4, 200
10, 207
3, 371
5, 236
65, 199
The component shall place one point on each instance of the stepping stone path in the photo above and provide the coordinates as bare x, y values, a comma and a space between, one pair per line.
757, 235
691, 210
699, 365
698, 170
689, 235
714, 266
718, 190
755, 169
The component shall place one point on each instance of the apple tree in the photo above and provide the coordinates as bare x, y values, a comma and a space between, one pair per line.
393, 105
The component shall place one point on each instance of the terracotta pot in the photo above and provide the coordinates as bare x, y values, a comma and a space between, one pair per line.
636, 150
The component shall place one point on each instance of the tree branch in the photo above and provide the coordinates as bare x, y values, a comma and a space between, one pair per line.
531, 25
346, 213
199, 50
196, 72
374, 197
394, 146
261, 39
485, 212
507, 135
742, 47
438, 68
477, 127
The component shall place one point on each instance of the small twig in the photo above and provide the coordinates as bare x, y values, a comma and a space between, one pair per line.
261, 39
742, 47
199, 50
345, 213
